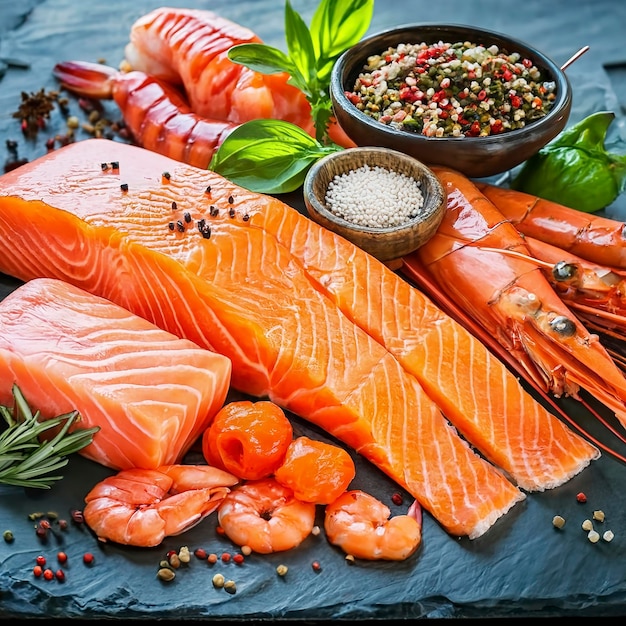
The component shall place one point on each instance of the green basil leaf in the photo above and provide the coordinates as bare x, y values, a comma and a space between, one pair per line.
261, 58
299, 44
570, 177
590, 132
335, 27
268, 156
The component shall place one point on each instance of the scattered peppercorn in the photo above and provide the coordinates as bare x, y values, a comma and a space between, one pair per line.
558, 521
77, 516
218, 581
8, 536
213, 211
174, 560
88, 558
166, 175
231, 199
316, 566
187, 217
282, 570
62, 557
246, 217
350, 559
212, 558
174, 205
208, 190
581, 497
40, 560
200, 553
180, 226
48, 574
238, 559
225, 557
246, 550
230, 586
184, 555
37, 571
115, 165
396, 498
166, 574
124, 187
231, 212
171, 226
60, 575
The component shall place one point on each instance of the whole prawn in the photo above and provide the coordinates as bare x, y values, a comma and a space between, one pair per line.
595, 238
179, 93
508, 295
140, 507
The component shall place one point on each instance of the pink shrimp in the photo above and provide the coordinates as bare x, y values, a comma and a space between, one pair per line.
141, 507
361, 526
179, 93
266, 516
155, 112
189, 48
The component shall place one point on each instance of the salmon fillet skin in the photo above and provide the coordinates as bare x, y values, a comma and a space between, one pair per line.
305, 318
151, 393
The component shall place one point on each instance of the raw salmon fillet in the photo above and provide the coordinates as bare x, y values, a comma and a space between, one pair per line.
475, 391
102, 215
151, 393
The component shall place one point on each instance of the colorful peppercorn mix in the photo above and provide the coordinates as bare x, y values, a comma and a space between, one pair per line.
452, 89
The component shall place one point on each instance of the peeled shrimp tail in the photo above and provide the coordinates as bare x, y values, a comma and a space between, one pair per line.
92, 80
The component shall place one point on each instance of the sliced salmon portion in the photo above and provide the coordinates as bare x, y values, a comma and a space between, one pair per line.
146, 242
475, 391
151, 393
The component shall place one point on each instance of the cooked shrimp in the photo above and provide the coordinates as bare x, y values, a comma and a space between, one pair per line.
265, 516
141, 507
189, 48
155, 112
361, 526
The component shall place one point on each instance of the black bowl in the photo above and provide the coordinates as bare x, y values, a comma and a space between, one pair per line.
476, 157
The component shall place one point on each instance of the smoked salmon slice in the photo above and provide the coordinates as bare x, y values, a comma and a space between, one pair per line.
151, 393
121, 222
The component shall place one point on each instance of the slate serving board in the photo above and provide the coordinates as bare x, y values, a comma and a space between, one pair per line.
522, 567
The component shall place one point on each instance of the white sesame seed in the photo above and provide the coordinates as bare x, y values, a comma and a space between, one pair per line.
374, 197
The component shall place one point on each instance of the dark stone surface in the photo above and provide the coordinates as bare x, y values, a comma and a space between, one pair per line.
522, 567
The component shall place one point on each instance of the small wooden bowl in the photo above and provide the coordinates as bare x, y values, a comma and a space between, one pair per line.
386, 244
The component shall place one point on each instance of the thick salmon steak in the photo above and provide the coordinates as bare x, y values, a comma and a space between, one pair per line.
151, 393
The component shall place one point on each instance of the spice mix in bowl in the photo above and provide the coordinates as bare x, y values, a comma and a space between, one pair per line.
384, 201
453, 95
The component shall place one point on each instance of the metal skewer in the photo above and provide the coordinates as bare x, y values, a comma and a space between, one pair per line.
574, 57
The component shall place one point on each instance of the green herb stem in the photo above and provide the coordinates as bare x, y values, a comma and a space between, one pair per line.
25, 459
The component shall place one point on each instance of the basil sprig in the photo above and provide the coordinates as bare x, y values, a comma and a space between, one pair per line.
273, 156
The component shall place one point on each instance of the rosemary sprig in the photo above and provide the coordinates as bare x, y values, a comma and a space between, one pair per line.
26, 460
